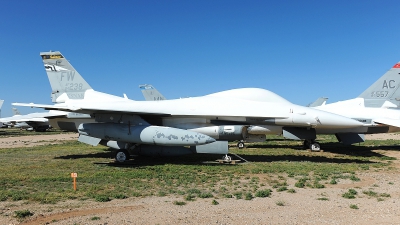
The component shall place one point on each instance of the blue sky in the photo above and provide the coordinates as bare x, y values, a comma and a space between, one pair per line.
300, 50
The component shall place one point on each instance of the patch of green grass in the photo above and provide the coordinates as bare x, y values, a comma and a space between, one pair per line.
22, 214
370, 193
318, 185
352, 191
121, 196
161, 193
228, 196
280, 203
205, 195
214, 202
333, 181
102, 198
263, 193
291, 190
95, 218
350, 194
385, 195
248, 196
354, 178
238, 195
352, 206
178, 203
301, 183
323, 199
42, 174
281, 189
193, 191
190, 198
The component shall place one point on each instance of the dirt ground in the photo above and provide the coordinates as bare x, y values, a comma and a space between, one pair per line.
302, 207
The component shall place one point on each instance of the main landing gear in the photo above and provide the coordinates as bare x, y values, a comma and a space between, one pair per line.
122, 155
312, 145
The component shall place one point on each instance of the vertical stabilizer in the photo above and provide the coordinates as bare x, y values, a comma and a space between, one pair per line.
386, 88
15, 112
63, 77
150, 93
1, 105
320, 101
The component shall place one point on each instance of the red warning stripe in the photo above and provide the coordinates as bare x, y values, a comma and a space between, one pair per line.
397, 65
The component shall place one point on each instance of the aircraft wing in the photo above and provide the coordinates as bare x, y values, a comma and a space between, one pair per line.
87, 109
389, 122
48, 107
181, 107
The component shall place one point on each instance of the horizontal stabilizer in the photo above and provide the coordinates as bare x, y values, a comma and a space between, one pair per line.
350, 138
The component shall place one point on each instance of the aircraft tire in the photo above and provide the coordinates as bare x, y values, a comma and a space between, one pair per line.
315, 147
240, 144
121, 155
226, 158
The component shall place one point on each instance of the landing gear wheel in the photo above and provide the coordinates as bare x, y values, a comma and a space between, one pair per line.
315, 147
240, 144
122, 155
226, 158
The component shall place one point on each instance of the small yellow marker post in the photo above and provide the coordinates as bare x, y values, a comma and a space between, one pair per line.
74, 176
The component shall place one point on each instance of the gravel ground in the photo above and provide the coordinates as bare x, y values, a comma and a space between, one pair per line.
302, 207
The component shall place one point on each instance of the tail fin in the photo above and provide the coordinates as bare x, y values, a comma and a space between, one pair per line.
320, 101
1, 104
63, 77
386, 88
150, 93
15, 112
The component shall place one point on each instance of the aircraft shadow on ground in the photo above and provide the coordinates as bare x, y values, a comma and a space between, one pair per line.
338, 148
202, 159
83, 156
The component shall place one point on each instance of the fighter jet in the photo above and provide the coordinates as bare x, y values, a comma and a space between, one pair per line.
167, 127
377, 107
31, 121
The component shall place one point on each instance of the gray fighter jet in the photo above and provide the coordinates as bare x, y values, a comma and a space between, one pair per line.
377, 107
202, 124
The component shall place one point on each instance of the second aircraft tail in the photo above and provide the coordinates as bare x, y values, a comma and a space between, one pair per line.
150, 93
385, 89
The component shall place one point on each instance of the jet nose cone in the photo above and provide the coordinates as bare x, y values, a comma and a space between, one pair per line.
330, 120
